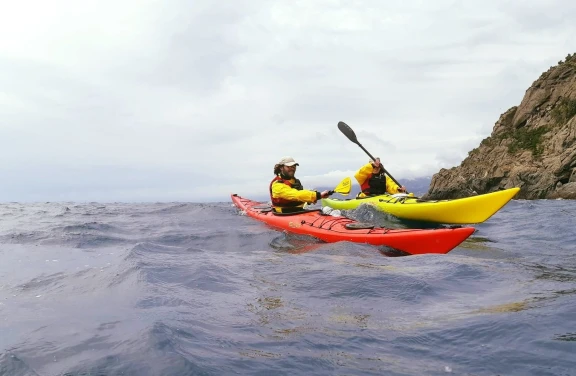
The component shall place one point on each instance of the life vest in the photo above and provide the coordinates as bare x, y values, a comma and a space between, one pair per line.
281, 202
376, 185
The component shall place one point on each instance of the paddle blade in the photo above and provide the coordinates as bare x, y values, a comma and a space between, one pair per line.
348, 132
344, 186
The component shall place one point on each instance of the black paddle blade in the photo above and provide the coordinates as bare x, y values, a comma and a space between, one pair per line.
348, 132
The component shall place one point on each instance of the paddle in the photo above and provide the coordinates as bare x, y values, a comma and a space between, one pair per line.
348, 132
343, 187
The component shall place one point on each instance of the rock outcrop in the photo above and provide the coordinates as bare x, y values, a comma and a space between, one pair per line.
532, 146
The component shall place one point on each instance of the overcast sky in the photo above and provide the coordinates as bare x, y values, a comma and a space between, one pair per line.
178, 100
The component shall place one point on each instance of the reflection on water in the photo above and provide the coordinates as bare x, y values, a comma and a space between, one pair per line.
501, 308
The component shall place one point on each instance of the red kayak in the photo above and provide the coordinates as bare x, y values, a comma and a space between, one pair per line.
333, 229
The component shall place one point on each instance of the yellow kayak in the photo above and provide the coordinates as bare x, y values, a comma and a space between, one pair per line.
474, 209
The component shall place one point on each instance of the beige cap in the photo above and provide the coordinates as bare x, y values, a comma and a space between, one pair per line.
288, 161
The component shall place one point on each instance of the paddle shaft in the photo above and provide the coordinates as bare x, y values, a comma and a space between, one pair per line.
349, 133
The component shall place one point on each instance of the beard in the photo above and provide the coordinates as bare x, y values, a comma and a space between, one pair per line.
288, 174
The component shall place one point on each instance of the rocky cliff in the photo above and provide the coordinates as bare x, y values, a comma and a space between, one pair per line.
532, 146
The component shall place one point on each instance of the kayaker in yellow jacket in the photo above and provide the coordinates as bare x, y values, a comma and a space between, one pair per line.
373, 181
286, 192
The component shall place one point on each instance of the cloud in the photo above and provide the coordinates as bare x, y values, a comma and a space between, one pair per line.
179, 100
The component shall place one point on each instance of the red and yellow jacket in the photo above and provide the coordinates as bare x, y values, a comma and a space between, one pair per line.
374, 184
288, 195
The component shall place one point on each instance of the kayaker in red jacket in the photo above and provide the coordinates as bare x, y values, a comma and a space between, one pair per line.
286, 192
373, 181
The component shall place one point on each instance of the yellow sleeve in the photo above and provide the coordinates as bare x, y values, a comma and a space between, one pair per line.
391, 187
281, 190
364, 173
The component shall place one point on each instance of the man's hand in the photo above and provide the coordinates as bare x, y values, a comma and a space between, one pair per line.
402, 189
325, 194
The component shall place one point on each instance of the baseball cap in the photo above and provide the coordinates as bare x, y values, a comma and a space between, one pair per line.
288, 161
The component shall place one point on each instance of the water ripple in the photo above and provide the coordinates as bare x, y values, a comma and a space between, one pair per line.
196, 289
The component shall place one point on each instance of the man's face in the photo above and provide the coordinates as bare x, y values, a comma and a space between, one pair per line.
289, 171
